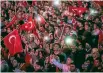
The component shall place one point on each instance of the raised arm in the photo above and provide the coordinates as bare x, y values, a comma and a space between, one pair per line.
57, 64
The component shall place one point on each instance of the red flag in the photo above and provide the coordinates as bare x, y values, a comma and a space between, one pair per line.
13, 42
30, 25
77, 11
81, 10
27, 58
71, 9
100, 37
12, 21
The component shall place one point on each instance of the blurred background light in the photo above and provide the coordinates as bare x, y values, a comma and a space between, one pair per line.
56, 2
68, 40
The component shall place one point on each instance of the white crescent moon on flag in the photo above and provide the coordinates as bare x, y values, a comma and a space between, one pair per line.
26, 26
74, 10
79, 11
13, 36
31, 24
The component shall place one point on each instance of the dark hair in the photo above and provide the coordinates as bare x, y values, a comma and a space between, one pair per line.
73, 63
30, 68
57, 44
21, 22
4, 67
90, 59
21, 58
43, 52
61, 57
40, 62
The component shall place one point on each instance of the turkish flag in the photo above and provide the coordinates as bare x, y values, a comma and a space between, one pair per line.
81, 10
30, 25
71, 9
13, 42
77, 10
12, 21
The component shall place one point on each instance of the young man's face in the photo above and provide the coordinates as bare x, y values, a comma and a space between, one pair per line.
41, 28
47, 60
66, 30
8, 30
14, 63
40, 55
47, 46
97, 20
68, 61
36, 52
95, 26
47, 50
36, 67
86, 27
56, 49
94, 54
56, 46
51, 36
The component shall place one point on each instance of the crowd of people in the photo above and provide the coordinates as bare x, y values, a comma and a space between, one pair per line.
67, 42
